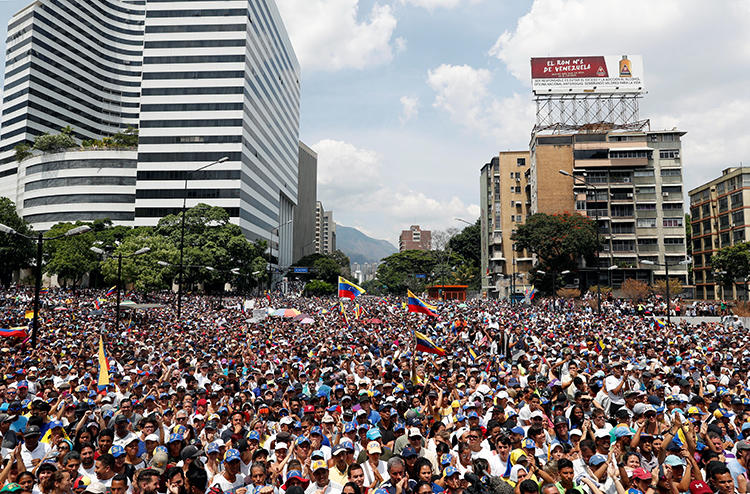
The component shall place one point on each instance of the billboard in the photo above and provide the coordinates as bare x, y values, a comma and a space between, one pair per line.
585, 75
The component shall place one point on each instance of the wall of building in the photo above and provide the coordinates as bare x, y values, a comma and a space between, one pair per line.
415, 239
548, 196
304, 211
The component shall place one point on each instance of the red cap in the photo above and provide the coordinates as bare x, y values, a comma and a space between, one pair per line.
308, 409
201, 402
640, 473
699, 487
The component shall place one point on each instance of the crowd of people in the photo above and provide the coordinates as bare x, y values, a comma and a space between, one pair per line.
515, 399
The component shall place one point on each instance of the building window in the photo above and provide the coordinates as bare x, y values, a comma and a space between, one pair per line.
739, 235
669, 154
706, 210
643, 173
520, 161
738, 218
723, 204
674, 241
646, 206
720, 188
671, 172
646, 223
628, 154
646, 190
672, 222
737, 200
724, 221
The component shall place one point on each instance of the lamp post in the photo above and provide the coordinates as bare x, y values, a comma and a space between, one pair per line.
188, 174
609, 272
119, 276
665, 265
40, 238
554, 280
598, 241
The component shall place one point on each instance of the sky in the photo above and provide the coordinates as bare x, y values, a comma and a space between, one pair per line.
405, 100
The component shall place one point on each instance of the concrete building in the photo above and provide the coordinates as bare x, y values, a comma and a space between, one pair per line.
69, 63
414, 239
717, 215
635, 190
505, 204
325, 230
304, 211
201, 80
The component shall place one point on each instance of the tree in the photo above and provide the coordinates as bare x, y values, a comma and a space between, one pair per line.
52, 143
327, 269
398, 272
343, 261
732, 263
16, 251
558, 240
468, 244
317, 288
634, 289
70, 258
569, 293
660, 287
23, 151
143, 271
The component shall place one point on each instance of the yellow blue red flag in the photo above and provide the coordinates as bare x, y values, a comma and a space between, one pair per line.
415, 304
347, 289
424, 344
103, 365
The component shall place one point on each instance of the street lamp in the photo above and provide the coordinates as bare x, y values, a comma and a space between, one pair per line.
598, 241
40, 238
119, 276
609, 272
188, 174
665, 265
554, 280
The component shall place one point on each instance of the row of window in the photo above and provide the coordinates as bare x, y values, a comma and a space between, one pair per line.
666, 222
195, 28
78, 181
79, 216
191, 107
79, 199
206, 157
196, 13
52, 166
220, 139
195, 59
195, 43
60, 11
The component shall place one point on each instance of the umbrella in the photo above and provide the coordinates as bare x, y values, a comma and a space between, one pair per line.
301, 316
285, 313
374, 321
307, 320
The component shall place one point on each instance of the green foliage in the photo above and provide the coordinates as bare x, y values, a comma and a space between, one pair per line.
318, 288
397, 271
23, 151
15, 251
327, 269
120, 140
558, 240
70, 258
143, 271
51, 143
468, 244
732, 263
343, 261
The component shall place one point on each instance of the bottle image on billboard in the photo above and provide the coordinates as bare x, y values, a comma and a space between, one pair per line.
625, 70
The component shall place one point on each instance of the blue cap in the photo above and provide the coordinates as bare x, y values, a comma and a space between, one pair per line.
622, 431
347, 444
55, 423
408, 452
518, 430
316, 430
380, 491
597, 460
253, 436
528, 443
24, 384
175, 437
473, 415
302, 440
231, 455
212, 448
374, 433
398, 426
161, 449
116, 451
351, 427
446, 458
449, 471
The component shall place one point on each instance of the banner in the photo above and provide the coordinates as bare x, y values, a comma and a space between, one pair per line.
585, 75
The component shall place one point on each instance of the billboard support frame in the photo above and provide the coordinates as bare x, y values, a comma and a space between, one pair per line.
577, 110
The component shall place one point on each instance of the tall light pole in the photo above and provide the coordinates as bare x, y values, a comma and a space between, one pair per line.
188, 174
598, 241
40, 238
665, 265
120, 256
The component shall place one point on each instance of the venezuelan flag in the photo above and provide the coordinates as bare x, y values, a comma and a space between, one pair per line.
347, 289
44, 291
96, 304
472, 354
29, 314
18, 332
415, 304
659, 323
599, 346
111, 291
425, 345
359, 311
103, 365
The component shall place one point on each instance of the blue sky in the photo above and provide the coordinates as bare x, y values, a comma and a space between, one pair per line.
405, 100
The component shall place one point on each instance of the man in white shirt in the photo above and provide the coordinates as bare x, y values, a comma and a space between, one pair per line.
614, 385
33, 451
322, 484
230, 480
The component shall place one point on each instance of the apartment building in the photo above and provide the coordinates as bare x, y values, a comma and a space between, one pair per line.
415, 239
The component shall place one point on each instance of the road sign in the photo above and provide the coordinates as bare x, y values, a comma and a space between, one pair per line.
420, 276
301, 270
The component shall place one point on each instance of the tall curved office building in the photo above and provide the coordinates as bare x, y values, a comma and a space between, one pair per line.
202, 80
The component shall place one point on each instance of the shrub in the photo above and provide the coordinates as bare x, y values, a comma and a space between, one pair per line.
635, 289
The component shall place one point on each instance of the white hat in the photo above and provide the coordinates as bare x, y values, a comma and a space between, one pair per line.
327, 419
502, 395
281, 446
286, 420
374, 447
414, 432
152, 437
601, 433
536, 413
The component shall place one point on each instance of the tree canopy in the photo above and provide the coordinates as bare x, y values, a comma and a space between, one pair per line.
732, 262
16, 252
558, 240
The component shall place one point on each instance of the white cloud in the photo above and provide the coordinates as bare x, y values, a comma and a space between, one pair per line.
351, 184
696, 59
409, 108
463, 92
435, 4
400, 45
327, 34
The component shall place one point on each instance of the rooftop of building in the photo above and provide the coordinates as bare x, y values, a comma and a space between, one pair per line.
726, 174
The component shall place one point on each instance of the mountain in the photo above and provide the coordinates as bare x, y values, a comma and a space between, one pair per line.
361, 248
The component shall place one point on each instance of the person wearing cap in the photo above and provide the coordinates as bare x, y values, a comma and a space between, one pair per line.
230, 480
739, 465
415, 441
294, 478
33, 450
338, 472
614, 385
374, 468
322, 484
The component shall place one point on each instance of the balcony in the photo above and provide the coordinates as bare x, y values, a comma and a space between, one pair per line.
644, 180
646, 213
671, 180
674, 249
622, 197
593, 213
648, 248
671, 196
645, 197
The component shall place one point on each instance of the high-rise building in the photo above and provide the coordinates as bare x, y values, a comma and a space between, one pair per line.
505, 204
414, 239
325, 230
220, 79
304, 211
202, 81
717, 215
70, 63
628, 180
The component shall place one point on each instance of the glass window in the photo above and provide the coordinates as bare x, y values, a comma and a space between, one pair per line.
646, 222
669, 154
672, 222
643, 173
